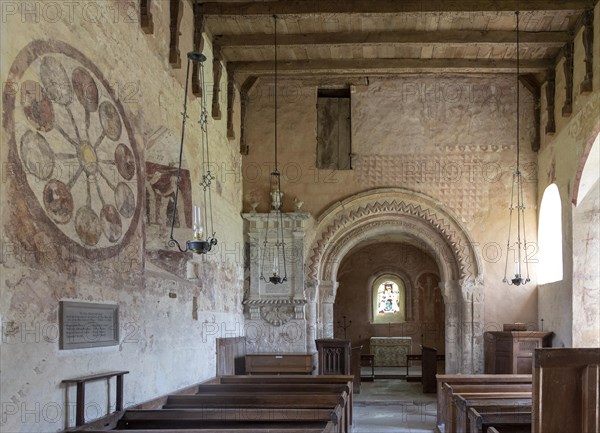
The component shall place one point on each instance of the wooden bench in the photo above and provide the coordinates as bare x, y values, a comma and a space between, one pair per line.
470, 379
259, 400
178, 419
481, 390
310, 405
81, 381
274, 388
496, 404
506, 422
285, 389
294, 379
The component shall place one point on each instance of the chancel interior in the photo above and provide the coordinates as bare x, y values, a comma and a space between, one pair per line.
378, 190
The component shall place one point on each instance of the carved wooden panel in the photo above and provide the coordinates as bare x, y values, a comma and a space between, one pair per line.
334, 356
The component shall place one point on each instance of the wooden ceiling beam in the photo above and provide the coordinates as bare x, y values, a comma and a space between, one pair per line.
299, 7
389, 66
553, 39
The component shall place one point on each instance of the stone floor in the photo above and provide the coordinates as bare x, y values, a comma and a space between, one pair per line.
391, 405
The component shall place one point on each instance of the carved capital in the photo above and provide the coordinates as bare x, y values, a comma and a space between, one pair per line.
327, 291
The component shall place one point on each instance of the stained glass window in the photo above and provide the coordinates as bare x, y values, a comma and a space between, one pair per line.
388, 298
388, 295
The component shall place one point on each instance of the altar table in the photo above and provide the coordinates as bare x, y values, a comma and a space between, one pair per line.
390, 351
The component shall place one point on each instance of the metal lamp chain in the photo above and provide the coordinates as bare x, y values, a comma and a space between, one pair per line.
172, 242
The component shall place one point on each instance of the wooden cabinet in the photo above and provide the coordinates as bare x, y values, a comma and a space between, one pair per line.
279, 363
334, 356
566, 389
511, 352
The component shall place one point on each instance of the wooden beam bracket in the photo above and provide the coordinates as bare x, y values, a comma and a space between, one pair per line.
567, 108
230, 102
146, 19
550, 96
217, 72
587, 85
533, 85
174, 54
199, 48
244, 91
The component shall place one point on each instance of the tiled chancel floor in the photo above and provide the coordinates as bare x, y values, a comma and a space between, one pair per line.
389, 405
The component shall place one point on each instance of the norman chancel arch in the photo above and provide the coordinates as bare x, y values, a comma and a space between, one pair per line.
418, 220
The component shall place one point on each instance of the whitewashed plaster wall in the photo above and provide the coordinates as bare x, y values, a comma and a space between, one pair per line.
449, 137
561, 304
169, 315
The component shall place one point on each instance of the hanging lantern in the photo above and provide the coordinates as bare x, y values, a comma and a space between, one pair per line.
517, 242
202, 214
277, 248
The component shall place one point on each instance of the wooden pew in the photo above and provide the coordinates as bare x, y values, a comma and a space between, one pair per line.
465, 379
497, 404
481, 390
243, 401
506, 422
294, 379
289, 390
565, 390
254, 428
286, 405
177, 419
274, 388
270, 404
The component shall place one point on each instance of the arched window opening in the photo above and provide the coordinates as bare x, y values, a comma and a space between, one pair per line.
389, 300
550, 266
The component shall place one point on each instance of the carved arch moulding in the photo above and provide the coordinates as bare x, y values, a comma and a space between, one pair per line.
420, 221
435, 228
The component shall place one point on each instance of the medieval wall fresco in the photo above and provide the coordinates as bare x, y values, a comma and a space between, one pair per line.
91, 118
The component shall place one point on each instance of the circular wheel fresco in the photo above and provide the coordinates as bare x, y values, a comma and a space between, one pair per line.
74, 156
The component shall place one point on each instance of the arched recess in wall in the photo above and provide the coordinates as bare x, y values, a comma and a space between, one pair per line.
586, 249
422, 222
550, 234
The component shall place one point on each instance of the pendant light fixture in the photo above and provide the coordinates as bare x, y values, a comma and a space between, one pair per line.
201, 242
517, 207
278, 275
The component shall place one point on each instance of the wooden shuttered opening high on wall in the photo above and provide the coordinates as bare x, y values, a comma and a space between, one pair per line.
334, 129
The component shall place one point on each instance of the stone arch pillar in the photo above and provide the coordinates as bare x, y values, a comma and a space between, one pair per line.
422, 222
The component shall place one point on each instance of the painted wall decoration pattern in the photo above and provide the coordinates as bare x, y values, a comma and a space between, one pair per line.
160, 193
72, 148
